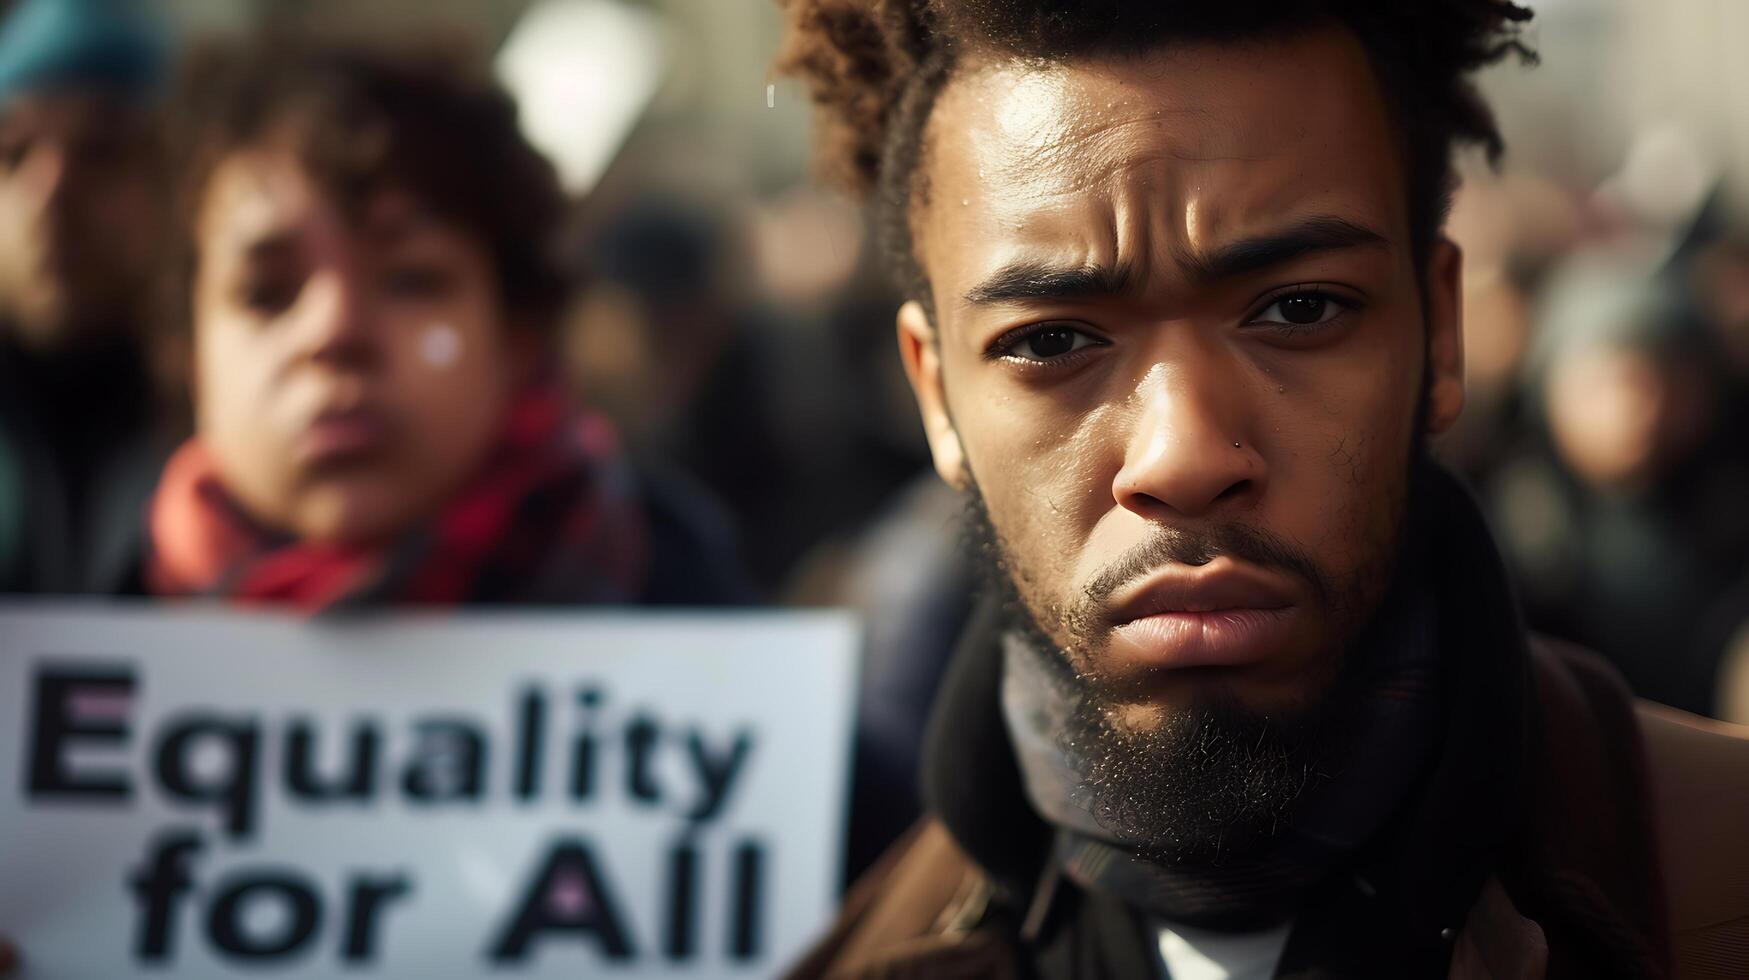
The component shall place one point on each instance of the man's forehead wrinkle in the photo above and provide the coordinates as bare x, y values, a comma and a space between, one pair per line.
1130, 240
1283, 243
1041, 121
1149, 178
1078, 159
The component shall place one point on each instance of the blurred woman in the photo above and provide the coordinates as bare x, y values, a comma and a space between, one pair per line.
368, 269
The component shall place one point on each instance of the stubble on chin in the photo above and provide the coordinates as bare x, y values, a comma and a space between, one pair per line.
1195, 782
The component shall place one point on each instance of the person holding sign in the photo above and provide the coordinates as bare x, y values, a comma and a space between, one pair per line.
367, 261
370, 276
368, 265
1253, 698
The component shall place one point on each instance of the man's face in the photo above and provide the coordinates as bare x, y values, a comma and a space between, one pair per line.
350, 369
1181, 342
79, 217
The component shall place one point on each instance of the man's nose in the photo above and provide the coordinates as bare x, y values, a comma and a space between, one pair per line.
337, 326
1188, 451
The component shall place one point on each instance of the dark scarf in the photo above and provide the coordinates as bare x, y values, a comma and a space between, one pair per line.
1389, 730
1392, 906
549, 518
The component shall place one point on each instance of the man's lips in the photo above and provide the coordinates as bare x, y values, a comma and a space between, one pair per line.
1220, 614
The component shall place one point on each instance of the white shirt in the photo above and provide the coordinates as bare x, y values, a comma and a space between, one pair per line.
1198, 954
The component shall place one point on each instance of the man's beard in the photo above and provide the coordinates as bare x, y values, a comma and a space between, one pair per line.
1206, 780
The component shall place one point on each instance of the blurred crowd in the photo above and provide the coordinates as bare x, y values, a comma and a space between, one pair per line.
1606, 427
315, 323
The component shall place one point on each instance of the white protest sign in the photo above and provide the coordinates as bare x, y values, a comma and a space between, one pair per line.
197, 793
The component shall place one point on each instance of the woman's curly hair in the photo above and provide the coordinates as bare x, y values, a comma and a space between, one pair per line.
875, 68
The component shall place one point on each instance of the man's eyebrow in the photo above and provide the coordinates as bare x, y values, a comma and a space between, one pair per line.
1316, 234
1035, 280
1031, 280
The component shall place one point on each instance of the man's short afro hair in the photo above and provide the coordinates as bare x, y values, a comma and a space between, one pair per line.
875, 68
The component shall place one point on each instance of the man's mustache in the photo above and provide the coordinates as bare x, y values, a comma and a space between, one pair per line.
1199, 546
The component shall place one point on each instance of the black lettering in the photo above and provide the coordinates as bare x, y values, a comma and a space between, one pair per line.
529, 741
716, 775
358, 783
448, 763
641, 735
155, 887
55, 723
368, 898
568, 895
744, 910
234, 788
584, 746
225, 921
682, 901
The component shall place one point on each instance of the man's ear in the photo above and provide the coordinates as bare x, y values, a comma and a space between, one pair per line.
920, 351
1445, 336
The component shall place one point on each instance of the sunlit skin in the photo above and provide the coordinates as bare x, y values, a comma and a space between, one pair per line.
351, 370
80, 217
1172, 388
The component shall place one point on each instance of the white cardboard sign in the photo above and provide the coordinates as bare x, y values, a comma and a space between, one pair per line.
195, 793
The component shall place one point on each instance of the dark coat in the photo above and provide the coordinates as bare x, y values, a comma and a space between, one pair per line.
1528, 850
80, 450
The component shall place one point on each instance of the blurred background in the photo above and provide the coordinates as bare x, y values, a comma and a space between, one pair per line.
735, 324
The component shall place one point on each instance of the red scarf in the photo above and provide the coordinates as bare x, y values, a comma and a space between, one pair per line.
549, 518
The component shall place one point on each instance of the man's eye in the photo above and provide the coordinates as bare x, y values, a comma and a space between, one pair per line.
1048, 343
1307, 309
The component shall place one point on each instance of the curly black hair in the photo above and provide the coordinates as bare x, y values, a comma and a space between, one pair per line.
422, 115
875, 68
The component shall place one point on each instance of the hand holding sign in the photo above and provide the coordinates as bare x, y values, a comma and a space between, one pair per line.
628, 796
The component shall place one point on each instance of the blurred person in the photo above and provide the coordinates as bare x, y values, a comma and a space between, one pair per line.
679, 355
1512, 230
762, 402
1721, 279
82, 429
379, 417
1253, 697
912, 583
1622, 511
363, 243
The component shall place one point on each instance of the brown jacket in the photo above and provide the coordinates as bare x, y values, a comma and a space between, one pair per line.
1560, 831
917, 914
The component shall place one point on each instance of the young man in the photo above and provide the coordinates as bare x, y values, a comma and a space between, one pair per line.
1257, 701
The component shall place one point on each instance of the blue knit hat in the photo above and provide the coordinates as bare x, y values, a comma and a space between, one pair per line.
114, 44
